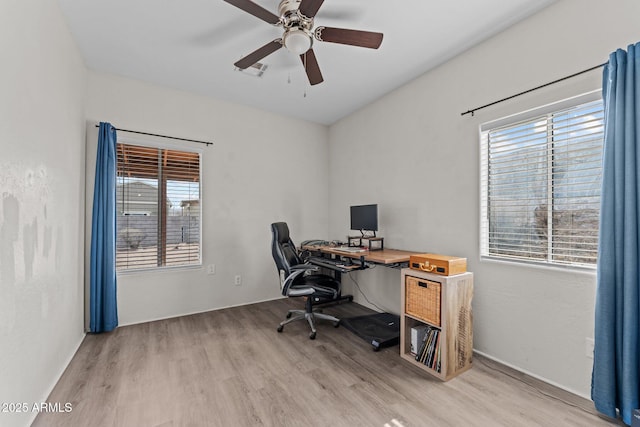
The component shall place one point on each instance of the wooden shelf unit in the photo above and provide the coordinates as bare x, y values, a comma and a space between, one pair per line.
452, 315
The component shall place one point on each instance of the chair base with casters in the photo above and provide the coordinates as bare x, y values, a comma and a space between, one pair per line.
310, 314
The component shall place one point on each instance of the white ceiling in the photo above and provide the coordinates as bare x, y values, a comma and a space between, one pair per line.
192, 44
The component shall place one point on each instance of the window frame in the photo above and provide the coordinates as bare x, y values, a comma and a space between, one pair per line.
164, 145
484, 225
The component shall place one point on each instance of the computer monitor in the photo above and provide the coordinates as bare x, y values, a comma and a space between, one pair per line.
364, 218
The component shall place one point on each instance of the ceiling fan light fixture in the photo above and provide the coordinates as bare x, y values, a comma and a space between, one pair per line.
297, 41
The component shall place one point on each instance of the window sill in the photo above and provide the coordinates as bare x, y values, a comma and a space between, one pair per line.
166, 269
568, 268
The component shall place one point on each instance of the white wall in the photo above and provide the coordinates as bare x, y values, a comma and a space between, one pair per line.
262, 168
419, 159
42, 87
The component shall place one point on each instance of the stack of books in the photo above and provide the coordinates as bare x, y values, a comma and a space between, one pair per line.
429, 351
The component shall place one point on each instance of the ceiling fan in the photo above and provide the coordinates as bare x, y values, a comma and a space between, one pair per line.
296, 18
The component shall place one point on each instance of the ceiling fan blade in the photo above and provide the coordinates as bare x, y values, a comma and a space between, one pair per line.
256, 10
311, 67
350, 37
309, 8
258, 54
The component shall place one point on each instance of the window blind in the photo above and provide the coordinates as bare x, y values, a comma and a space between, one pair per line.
541, 180
158, 203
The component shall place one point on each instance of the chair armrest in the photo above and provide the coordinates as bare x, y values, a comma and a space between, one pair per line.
285, 283
300, 292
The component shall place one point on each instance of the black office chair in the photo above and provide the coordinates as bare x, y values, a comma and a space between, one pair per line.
300, 279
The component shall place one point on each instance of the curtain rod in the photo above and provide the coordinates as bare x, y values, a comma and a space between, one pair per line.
162, 136
472, 111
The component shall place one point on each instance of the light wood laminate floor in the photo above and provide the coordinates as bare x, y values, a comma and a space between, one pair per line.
231, 368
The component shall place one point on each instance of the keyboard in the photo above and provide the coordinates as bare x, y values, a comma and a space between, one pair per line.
335, 264
350, 249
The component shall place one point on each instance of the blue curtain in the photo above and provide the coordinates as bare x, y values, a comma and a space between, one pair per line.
615, 382
103, 304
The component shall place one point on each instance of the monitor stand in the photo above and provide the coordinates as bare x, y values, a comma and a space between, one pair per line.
379, 329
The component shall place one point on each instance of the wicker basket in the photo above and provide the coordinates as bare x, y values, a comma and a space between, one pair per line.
422, 299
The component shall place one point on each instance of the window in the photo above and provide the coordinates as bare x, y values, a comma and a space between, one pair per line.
158, 207
541, 183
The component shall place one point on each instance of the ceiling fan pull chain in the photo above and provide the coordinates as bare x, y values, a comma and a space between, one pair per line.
304, 93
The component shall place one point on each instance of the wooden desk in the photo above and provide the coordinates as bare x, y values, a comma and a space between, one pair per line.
384, 256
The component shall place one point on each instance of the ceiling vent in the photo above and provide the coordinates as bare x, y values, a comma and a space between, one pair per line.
255, 70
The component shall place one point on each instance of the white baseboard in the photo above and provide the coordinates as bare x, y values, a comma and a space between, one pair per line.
46, 395
532, 375
172, 316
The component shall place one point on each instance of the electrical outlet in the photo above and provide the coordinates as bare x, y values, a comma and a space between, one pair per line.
238, 280
589, 345
211, 269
